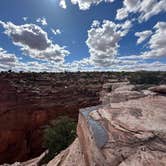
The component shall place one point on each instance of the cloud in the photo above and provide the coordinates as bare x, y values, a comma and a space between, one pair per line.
145, 8
142, 36
62, 4
83, 4
7, 58
121, 14
29, 35
43, 21
130, 57
154, 66
35, 66
34, 41
25, 18
56, 31
9, 61
103, 41
125, 63
157, 42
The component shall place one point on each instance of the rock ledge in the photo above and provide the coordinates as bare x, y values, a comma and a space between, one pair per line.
129, 129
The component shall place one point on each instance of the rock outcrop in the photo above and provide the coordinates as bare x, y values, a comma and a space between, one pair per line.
159, 89
128, 130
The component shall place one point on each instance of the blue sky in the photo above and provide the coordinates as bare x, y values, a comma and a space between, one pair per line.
88, 35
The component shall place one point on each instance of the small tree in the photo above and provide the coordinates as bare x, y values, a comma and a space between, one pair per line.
59, 135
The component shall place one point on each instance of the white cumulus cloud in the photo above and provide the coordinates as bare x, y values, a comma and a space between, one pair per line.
33, 41
7, 58
56, 31
103, 41
157, 42
25, 18
43, 21
83, 4
145, 8
62, 4
9, 61
142, 36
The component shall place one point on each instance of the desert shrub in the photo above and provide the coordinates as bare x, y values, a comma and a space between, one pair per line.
144, 77
58, 136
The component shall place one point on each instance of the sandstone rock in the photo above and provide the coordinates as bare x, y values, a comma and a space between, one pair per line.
122, 91
119, 85
71, 156
119, 96
159, 89
130, 132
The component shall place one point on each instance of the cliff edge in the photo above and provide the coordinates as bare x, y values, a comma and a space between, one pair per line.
128, 129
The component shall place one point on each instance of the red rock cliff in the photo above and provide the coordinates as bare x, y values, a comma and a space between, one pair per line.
29, 101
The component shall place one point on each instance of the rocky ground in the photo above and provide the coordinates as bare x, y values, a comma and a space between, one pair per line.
128, 130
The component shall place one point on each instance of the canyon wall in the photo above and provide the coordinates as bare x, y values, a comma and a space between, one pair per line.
28, 101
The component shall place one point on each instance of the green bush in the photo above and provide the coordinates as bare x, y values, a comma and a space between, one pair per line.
59, 135
145, 77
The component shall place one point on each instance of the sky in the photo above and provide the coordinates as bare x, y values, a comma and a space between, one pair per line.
82, 35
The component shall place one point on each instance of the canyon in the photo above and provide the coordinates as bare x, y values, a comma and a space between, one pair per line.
112, 118
28, 101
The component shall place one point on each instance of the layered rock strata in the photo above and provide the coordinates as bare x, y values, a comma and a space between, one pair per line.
28, 101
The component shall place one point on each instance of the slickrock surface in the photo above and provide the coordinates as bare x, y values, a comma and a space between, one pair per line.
159, 89
72, 155
30, 100
128, 130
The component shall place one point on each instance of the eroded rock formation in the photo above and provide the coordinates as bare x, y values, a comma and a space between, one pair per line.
128, 130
